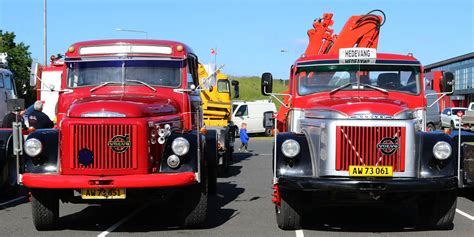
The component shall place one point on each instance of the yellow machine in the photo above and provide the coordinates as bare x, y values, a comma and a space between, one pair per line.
217, 102
217, 110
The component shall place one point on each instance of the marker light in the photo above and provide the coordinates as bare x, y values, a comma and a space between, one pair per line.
33, 147
123, 49
442, 150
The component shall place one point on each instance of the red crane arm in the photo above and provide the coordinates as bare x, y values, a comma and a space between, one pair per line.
359, 31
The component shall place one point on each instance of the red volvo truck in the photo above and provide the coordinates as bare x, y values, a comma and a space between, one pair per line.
129, 126
352, 130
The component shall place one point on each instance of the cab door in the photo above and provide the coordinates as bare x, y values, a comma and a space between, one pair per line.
241, 115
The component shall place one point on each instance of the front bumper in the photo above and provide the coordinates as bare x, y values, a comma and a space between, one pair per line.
57, 181
364, 185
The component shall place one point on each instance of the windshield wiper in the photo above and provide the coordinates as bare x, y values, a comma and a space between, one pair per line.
360, 84
104, 84
342, 87
143, 83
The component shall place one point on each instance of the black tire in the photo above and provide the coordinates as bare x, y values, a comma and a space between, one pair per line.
452, 125
430, 127
212, 157
222, 169
236, 129
8, 177
45, 209
437, 211
289, 214
195, 206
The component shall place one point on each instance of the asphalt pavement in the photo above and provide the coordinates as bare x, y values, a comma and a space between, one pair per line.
242, 207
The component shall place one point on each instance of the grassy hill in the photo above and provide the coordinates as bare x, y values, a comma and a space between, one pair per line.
250, 88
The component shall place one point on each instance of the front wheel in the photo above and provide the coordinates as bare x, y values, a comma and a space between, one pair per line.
8, 177
45, 209
288, 214
195, 206
437, 210
268, 132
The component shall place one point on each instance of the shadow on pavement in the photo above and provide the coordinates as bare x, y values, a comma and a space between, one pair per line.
14, 198
467, 193
371, 219
159, 216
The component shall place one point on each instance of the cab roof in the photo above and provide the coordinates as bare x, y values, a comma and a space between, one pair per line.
74, 50
334, 59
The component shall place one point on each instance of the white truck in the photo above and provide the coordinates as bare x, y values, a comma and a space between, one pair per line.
468, 118
251, 113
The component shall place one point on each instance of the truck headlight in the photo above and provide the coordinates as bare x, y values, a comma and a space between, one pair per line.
442, 150
33, 147
290, 148
180, 146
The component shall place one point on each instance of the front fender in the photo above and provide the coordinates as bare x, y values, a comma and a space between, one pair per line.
300, 165
189, 161
430, 167
47, 160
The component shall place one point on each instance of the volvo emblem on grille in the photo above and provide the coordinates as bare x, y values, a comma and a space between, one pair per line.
119, 143
388, 145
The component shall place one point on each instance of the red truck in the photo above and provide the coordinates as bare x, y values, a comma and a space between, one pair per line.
129, 126
352, 130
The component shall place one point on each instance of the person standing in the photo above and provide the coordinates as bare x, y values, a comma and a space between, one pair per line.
38, 119
244, 137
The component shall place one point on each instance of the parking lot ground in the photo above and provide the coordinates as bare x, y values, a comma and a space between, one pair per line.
242, 207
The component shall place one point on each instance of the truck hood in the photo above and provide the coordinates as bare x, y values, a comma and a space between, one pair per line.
359, 105
122, 106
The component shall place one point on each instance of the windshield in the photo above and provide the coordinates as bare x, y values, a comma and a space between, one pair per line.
152, 72
223, 86
455, 111
329, 77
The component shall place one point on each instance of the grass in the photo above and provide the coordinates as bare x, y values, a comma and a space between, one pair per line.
250, 88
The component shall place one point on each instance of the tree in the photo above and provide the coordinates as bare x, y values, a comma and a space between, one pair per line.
19, 61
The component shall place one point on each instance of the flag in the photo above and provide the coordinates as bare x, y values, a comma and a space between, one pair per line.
213, 52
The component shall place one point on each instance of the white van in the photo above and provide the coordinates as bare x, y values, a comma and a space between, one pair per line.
251, 113
7, 91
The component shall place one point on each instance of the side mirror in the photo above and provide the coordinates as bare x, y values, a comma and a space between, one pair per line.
236, 89
34, 72
268, 120
447, 82
267, 83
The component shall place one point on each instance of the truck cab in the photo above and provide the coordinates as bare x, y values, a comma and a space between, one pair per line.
129, 127
7, 91
353, 130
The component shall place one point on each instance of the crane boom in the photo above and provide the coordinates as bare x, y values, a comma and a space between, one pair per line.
359, 31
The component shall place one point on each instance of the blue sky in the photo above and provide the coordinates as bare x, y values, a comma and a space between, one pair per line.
248, 34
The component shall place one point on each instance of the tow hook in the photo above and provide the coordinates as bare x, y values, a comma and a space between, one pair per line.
276, 195
374, 196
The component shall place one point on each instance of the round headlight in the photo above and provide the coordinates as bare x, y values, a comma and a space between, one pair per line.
180, 146
442, 150
33, 147
173, 161
290, 148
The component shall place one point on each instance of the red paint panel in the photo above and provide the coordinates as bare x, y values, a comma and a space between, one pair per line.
122, 181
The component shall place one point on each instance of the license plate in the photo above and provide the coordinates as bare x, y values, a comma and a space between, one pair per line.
371, 171
103, 193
